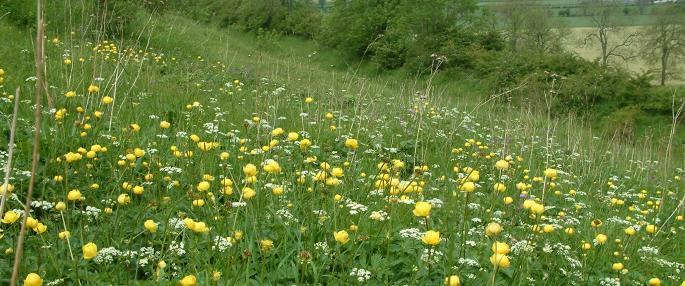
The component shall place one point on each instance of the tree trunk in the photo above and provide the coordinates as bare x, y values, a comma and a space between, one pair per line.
664, 65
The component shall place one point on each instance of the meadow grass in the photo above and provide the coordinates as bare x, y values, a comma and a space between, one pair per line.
197, 155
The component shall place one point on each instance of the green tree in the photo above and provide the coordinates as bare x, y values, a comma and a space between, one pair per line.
664, 41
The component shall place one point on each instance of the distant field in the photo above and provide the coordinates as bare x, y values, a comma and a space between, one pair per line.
591, 51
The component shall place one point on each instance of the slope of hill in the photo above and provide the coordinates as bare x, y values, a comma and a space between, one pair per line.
191, 154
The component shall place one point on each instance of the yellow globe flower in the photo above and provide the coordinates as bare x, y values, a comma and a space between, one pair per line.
203, 186
467, 187
250, 170
500, 260
651, 229
550, 173
150, 225
10, 217
93, 88
138, 190
74, 195
293, 136
164, 124
188, 280
537, 209
351, 143
601, 238
452, 281
422, 209
500, 247
341, 237
502, 165
123, 199
33, 279
493, 229
248, 193
654, 282
64, 235
90, 250
431, 238
266, 245
629, 230
618, 266
499, 187
107, 100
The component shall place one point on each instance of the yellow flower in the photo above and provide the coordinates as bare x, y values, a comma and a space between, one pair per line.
10, 217
337, 172
138, 190
277, 191
93, 88
164, 124
107, 100
266, 244
500, 247
40, 228
150, 225
60, 206
248, 193
431, 238
452, 280
305, 143
277, 132
134, 127
467, 187
500, 260
216, 275
422, 209
90, 250
341, 237
493, 229
198, 203
550, 173
351, 143
74, 195
64, 235
70, 94
188, 280
200, 227
499, 187
537, 209
651, 228
502, 165
654, 282
601, 238
293, 136
203, 186
629, 230
618, 266
31, 222
123, 199
250, 170
508, 200
33, 279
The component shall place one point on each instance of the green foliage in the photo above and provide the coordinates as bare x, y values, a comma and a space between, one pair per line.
396, 34
288, 17
20, 13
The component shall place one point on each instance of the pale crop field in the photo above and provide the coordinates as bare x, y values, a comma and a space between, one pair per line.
591, 50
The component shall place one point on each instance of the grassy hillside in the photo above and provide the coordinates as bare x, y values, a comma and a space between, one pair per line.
197, 155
